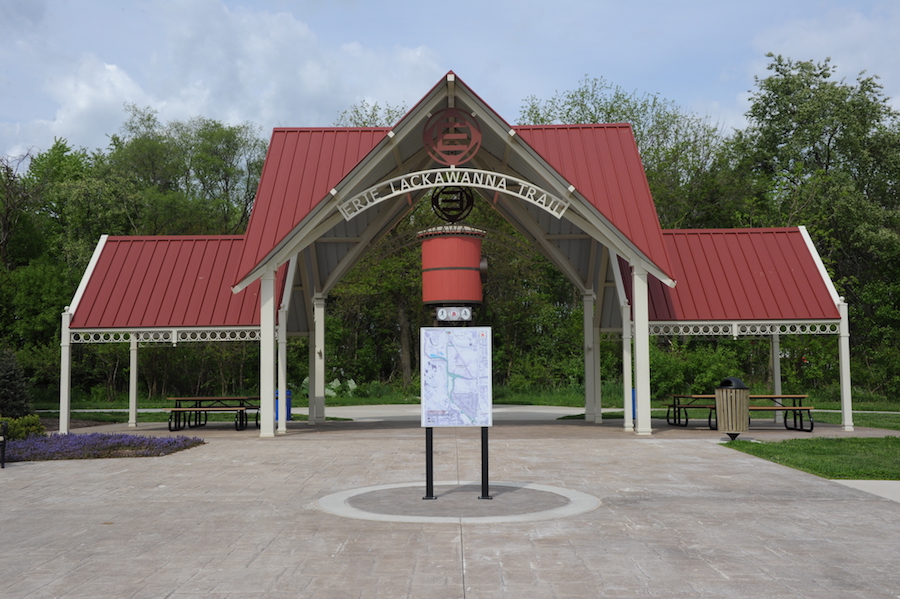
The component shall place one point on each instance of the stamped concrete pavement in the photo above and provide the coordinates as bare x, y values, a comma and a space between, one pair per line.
673, 515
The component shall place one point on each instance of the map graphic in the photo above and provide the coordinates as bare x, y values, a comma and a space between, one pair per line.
456, 376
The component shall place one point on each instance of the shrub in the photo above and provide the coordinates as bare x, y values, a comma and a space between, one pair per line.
690, 367
14, 400
21, 428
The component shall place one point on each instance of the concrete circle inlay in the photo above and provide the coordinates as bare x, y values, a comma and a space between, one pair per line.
458, 502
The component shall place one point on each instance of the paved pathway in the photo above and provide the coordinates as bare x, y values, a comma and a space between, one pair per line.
672, 515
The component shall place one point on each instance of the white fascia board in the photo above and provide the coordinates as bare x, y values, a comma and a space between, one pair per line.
820, 265
617, 275
284, 304
88, 273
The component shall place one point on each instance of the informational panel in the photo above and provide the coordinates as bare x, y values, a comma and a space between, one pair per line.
456, 376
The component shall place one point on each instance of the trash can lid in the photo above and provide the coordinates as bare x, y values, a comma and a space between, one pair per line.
733, 382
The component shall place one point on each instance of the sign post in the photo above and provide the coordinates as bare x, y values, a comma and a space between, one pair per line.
485, 490
429, 463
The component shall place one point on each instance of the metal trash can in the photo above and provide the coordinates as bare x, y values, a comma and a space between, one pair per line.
732, 407
287, 412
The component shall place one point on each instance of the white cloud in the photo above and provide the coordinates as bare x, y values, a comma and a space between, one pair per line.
270, 68
91, 100
202, 59
854, 39
68, 67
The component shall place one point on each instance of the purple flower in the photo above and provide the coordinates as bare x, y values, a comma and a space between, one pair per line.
94, 445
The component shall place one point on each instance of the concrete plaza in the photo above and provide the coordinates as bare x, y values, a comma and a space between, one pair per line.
336, 511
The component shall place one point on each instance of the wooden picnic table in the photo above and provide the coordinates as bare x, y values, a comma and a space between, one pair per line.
194, 411
677, 411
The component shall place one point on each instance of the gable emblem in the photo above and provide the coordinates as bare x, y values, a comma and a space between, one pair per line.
451, 137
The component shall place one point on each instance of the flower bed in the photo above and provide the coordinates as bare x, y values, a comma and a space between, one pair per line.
95, 445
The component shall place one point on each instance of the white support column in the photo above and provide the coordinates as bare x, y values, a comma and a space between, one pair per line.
589, 350
133, 382
65, 374
598, 391
267, 355
641, 301
311, 380
627, 380
844, 353
282, 371
776, 363
776, 372
319, 317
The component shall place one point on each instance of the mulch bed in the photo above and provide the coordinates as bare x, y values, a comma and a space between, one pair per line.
52, 424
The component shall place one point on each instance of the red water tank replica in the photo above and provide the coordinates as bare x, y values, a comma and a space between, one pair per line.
451, 265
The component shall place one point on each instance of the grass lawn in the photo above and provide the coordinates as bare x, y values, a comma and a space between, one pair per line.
850, 458
886, 421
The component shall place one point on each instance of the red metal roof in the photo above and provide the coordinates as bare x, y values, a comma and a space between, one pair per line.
604, 165
601, 161
741, 274
302, 166
167, 281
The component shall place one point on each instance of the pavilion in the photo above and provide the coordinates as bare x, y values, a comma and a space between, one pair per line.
578, 193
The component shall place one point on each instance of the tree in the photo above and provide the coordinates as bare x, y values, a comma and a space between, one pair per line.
825, 153
17, 198
375, 311
14, 399
193, 177
680, 150
363, 114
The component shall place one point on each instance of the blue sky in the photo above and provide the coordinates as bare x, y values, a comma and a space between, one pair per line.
67, 67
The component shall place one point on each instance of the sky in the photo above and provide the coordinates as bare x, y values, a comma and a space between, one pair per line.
68, 68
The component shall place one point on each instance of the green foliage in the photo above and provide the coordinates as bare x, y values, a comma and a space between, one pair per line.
194, 177
18, 198
826, 154
695, 366
363, 114
14, 398
23, 427
817, 151
680, 150
374, 314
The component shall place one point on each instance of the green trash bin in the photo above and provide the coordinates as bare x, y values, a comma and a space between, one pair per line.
732, 407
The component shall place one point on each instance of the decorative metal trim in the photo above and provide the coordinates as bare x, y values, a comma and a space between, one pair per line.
166, 335
746, 329
219, 335
101, 337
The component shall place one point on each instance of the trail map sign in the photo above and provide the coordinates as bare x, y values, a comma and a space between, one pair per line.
456, 376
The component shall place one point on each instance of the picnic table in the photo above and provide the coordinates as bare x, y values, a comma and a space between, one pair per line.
194, 411
677, 411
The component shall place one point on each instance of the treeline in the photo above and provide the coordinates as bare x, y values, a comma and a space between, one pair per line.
817, 151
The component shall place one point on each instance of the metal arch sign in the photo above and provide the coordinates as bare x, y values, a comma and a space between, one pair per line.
466, 177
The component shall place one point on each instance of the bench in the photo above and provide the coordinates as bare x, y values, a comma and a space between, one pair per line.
797, 412
4, 430
198, 416
677, 412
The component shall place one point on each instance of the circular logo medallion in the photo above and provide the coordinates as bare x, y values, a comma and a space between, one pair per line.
453, 203
452, 137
